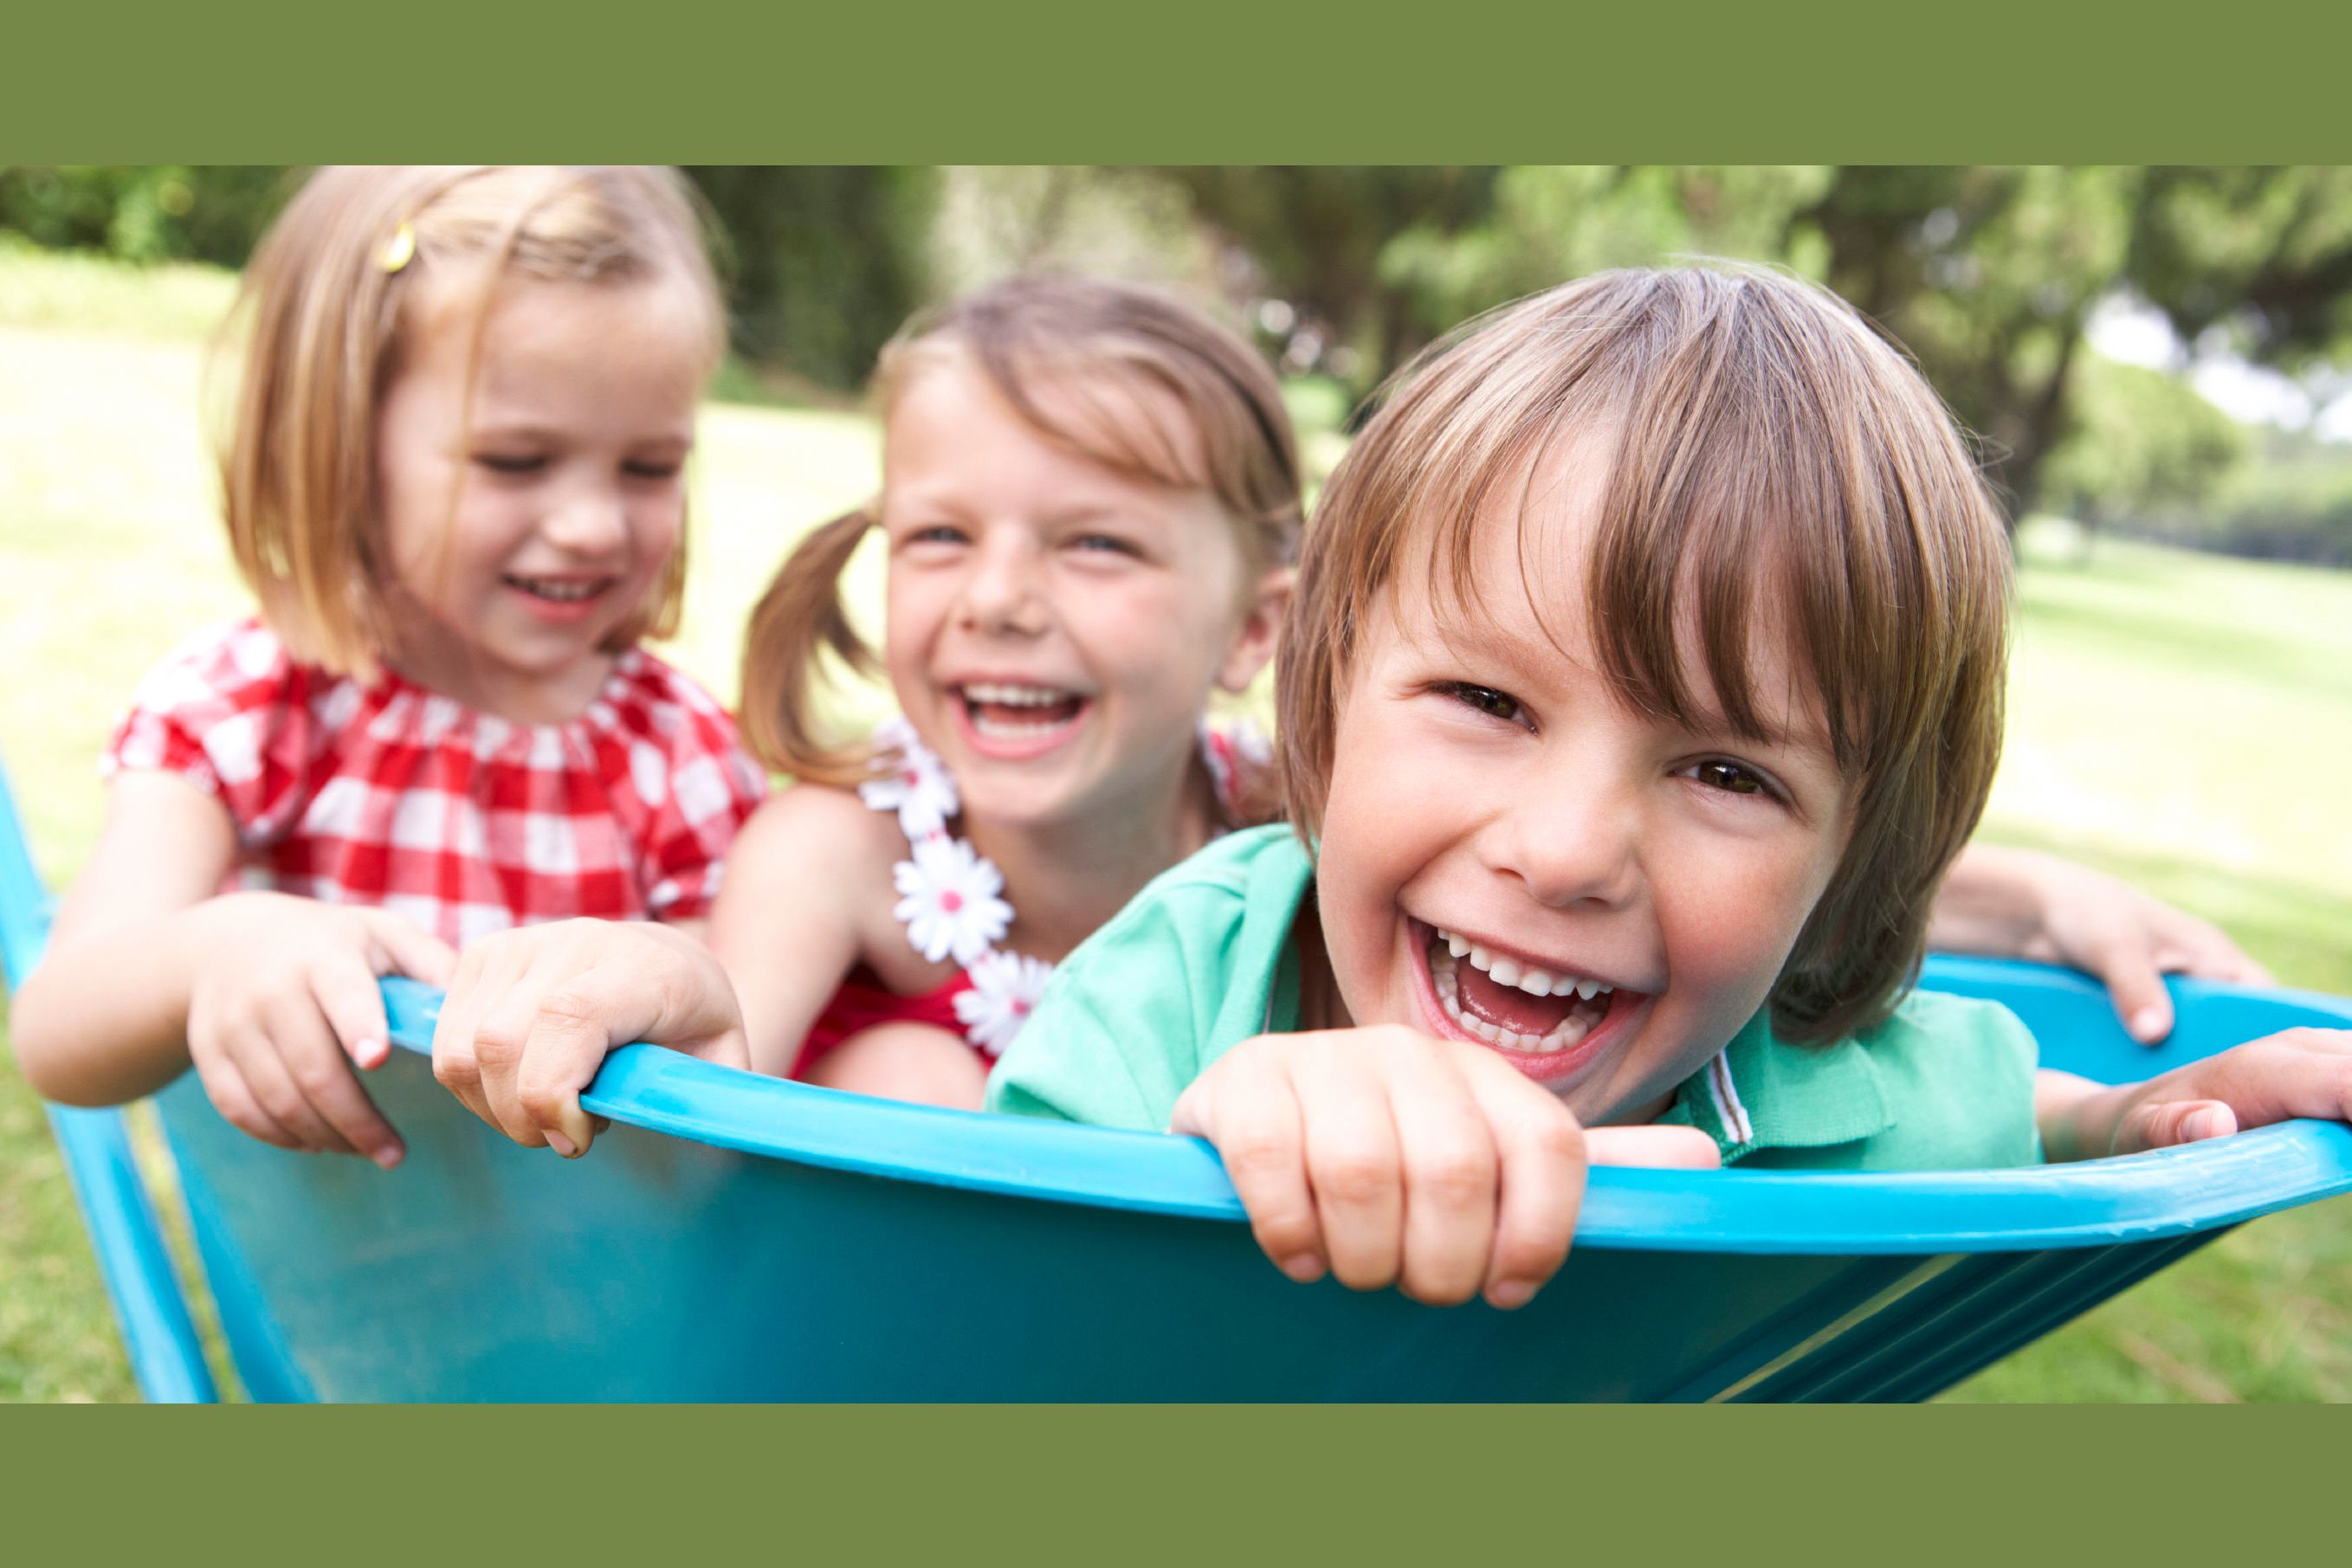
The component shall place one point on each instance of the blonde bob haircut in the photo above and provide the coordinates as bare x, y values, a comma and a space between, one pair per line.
357, 263
1776, 468
1121, 375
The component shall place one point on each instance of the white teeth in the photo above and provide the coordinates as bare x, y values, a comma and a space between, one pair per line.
563, 592
1526, 977
1016, 697
1444, 979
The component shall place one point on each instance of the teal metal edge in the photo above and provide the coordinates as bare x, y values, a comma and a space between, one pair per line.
2173, 1192
158, 1333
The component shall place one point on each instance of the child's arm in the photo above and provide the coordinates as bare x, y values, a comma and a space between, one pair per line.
267, 994
2017, 903
785, 926
533, 1013
1384, 1156
2297, 1073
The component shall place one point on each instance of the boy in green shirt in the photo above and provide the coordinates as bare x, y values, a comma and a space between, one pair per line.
1644, 676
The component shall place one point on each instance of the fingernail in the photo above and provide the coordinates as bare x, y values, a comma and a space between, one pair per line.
1511, 1294
387, 1159
1305, 1268
2206, 1123
2148, 1024
561, 1145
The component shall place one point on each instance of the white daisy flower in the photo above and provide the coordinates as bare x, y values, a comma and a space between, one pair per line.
948, 901
1004, 991
917, 784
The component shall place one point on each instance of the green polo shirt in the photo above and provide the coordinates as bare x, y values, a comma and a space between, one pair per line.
1203, 960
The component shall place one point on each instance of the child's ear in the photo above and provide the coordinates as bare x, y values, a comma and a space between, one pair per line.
1253, 640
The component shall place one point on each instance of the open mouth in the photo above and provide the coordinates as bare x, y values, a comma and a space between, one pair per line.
561, 593
1016, 719
1546, 1023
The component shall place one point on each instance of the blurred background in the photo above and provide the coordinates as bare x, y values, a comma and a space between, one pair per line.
2156, 363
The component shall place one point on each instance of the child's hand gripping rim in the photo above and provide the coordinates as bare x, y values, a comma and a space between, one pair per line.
1384, 1156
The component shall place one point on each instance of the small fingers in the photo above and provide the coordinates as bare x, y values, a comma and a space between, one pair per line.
1540, 1149
1356, 1172
405, 948
347, 994
567, 1044
1657, 1148
261, 1061
229, 1093
1452, 1176
1255, 1125
2169, 1124
455, 1064
305, 1040
2136, 987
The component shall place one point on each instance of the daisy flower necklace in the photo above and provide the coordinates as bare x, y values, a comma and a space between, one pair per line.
950, 896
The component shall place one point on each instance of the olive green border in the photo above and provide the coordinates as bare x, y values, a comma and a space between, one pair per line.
1205, 82
1209, 1486
1210, 80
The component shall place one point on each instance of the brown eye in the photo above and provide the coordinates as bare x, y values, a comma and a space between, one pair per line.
1731, 776
1486, 700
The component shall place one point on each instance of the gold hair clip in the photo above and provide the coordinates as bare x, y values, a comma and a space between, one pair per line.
399, 250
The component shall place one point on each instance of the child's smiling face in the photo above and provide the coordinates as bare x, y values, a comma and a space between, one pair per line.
1054, 627
1490, 787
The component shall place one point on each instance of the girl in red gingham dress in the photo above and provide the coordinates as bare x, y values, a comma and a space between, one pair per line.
454, 486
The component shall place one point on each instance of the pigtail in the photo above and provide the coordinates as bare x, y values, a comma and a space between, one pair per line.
797, 622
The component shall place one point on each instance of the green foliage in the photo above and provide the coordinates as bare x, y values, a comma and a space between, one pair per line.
822, 264
1313, 239
1987, 276
2265, 255
2295, 504
1553, 222
146, 213
2144, 445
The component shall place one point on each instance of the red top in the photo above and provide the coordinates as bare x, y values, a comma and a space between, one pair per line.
391, 795
863, 1001
1233, 756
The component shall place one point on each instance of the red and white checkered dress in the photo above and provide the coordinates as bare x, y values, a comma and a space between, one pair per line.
391, 795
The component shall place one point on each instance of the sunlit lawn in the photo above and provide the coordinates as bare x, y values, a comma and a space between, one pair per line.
2182, 720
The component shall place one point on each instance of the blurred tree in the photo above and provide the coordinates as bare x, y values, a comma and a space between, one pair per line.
145, 212
1987, 276
1551, 222
822, 264
2263, 253
1315, 237
2143, 445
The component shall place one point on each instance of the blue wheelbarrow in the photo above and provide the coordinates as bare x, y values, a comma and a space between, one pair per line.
741, 1237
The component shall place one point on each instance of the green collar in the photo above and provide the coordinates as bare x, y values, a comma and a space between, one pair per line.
1761, 1093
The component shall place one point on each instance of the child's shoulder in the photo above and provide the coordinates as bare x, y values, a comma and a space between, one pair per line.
219, 704
1943, 1082
805, 829
235, 660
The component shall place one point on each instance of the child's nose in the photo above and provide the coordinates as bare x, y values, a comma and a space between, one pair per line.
1574, 840
1004, 592
588, 521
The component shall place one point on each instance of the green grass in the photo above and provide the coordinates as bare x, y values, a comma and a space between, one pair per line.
2182, 720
